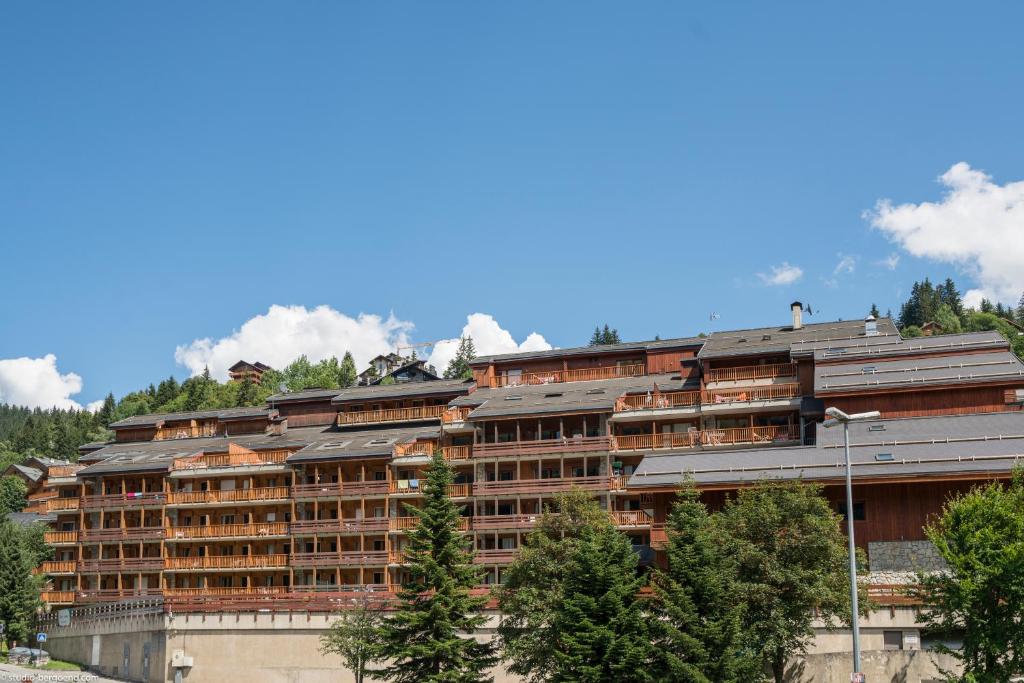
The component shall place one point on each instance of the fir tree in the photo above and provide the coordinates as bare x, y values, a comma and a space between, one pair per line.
700, 632
1020, 310
166, 392
458, 367
13, 495
874, 311
19, 589
430, 635
247, 394
106, 412
348, 373
604, 336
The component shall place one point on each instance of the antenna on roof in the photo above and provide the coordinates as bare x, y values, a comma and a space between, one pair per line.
808, 309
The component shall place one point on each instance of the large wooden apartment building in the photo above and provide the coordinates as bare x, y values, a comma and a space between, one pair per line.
302, 502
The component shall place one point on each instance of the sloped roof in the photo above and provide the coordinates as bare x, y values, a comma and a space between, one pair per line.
677, 342
334, 444
762, 340
303, 395
903, 373
221, 414
895, 345
445, 387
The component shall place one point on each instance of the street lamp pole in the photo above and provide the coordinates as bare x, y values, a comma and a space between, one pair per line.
839, 417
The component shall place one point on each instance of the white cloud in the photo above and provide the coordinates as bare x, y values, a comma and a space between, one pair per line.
847, 264
488, 338
37, 383
782, 275
977, 226
283, 333
889, 262
94, 406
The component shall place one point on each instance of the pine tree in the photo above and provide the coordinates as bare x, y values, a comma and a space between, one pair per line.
106, 412
430, 635
19, 589
348, 374
1020, 310
459, 367
700, 635
874, 311
597, 338
606, 336
166, 391
247, 394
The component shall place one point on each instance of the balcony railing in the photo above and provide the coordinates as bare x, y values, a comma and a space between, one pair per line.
455, 414
658, 401
406, 523
114, 594
456, 452
57, 597
45, 494
117, 500
61, 504
415, 448
139, 533
577, 375
579, 444
553, 485
335, 489
186, 432
268, 493
221, 460
769, 392
632, 518
705, 437
339, 526
746, 373
60, 537
121, 564
277, 561
485, 522
341, 558
406, 486
258, 529
57, 567
391, 415
495, 556
225, 591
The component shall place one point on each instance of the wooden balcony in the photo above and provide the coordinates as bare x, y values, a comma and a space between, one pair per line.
124, 500
338, 489
62, 471
495, 556
578, 375
747, 373
243, 458
893, 594
140, 533
455, 414
61, 504
631, 518
406, 523
255, 530
186, 432
769, 392
60, 537
488, 522
115, 594
416, 448
221, 562
330, 598
341, 558
44, 495
454, 453
416, 414
405, 486
580, 444
706, 438
658, 401
222, 591
57, 597
659, 535
52, 567
120, 564
257, 495
351, 525
545, 486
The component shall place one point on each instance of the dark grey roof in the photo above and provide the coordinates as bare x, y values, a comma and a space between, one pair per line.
27, 518
901, 373
562, 397
985, 444
222, 414
332, 444
762, 340
304, 395
441, 387
30, 473
894, 345
92, 446
591, 350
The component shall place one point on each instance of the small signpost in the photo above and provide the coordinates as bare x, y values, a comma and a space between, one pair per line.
40, 637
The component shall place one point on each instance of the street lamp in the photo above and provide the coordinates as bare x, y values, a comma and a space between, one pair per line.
839, 417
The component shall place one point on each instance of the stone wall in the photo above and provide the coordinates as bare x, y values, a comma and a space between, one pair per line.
904, 556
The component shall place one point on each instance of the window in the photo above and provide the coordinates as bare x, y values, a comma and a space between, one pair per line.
869, 369
892, 640
876, 428
859, 510
884, 457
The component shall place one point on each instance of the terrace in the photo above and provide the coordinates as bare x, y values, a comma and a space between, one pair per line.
124, 500
121, 564
223, 562
341, 488
243, 495
750, 373
51, 567
706, 438
550, 485
235, 457
384, 415
415, 487
575, 444
141, 533
340, 526
60, 537
341, 558
516, 379
252, 530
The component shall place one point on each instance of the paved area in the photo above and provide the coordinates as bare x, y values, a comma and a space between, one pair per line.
9, 673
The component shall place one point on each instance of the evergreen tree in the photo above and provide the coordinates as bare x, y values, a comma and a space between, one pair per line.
986, 306
874, 311
980, 599
106, 412
349, 375
166, 392
700, 636
430, 635
19, 589
949, 295
792, 563
458, 367
356, 636
13, 495
247, 394
1020, 310
604, 336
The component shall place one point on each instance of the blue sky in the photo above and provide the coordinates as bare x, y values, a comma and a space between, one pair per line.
170, 171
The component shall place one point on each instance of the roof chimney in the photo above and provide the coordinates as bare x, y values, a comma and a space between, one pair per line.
870, 326
798, 310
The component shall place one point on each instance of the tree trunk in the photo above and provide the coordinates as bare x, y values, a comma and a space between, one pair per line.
779, 667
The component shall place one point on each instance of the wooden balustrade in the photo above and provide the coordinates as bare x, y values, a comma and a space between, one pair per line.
396, 557
57, 597
121, 564
58, 537
114, 594
659, 535
631, 518
484, 522
706, 437
553, 485
455, 414
224, 460
456, 452
406, 486
341, 558
258, 529
768, 392
576, 444
225, 591
61, 504
495, 556
128, 499
406, 523
140, 533
638, 442
893, 594
45, 494
58, 471
267, 493
576, 375
391, 415
750, 372
339, 526
658, 401
276, 561
415, 448
186, 432
335, 489
57, 567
